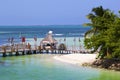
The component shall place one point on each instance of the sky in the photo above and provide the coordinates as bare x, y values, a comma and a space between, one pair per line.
50, 12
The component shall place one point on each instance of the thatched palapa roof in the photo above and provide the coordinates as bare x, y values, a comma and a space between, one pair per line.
49, 39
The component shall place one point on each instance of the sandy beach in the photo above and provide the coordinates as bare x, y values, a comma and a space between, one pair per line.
79, 59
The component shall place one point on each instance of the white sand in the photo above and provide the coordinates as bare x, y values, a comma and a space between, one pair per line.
76, 58
70, 58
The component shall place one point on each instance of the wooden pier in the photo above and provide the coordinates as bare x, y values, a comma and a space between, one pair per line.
47, 45
21, 49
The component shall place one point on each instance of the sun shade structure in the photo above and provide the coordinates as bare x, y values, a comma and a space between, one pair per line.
49, 41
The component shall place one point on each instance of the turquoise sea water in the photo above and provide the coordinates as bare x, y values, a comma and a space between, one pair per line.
44, 67
29, 32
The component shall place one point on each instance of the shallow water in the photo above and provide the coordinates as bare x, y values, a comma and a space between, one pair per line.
44, 67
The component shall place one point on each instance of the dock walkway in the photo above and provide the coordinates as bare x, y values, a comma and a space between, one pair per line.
21, 49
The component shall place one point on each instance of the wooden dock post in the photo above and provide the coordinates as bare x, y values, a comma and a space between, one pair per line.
23, 52
34, 51
62, 51
52, 51
12, 50
10, 54
47, 51
4, 49
17, 53
40, 49
4, 54
29, 52
55, 51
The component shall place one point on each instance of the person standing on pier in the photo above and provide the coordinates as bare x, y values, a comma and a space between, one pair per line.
12, 41
23, 39
23, 42
74, 40
35, 39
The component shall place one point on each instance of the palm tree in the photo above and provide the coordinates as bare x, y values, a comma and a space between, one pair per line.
94, 17
101, 20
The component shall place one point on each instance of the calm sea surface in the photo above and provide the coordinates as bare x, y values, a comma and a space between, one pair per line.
43, 66
40, 31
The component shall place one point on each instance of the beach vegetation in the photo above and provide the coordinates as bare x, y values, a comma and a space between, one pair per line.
105, 32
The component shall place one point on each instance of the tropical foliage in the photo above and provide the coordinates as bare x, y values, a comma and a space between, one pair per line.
105, 32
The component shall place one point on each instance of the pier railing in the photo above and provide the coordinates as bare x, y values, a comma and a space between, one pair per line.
23, 49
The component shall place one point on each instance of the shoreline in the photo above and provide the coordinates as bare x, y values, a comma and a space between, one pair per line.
79, 59
89, 60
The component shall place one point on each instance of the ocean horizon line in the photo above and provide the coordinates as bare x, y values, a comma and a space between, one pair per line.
42, 26
46, 25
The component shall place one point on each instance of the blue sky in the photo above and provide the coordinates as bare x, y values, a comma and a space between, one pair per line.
50, 12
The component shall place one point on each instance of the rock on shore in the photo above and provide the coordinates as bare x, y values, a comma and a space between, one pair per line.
112, 64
